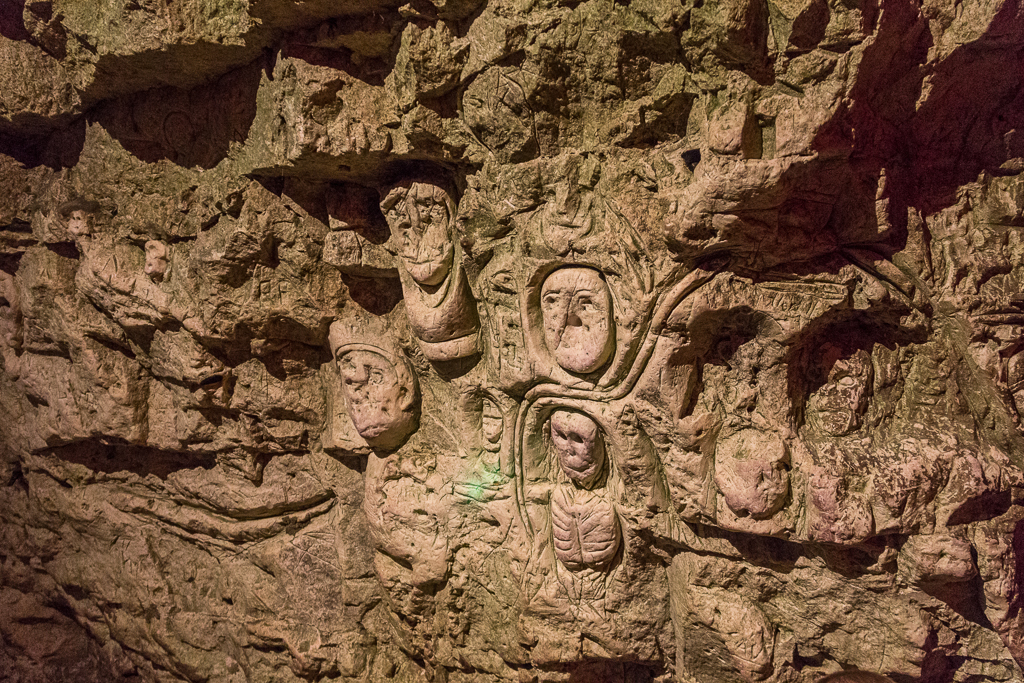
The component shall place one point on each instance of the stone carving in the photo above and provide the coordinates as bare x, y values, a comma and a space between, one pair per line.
751, 472
497, 342
440, 306
577, 313
380, 393
156, 260
838, 406
577, 444
80, 217
585, 529
492, 425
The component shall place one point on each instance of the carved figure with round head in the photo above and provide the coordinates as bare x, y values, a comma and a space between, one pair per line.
420, 215
577, 311
577, 444
156, 260
380, 395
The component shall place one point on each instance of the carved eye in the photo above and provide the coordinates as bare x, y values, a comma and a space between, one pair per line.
551, 299
575, 438
847, 382
377, 377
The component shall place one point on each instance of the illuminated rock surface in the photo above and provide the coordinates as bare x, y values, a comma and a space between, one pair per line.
473, 340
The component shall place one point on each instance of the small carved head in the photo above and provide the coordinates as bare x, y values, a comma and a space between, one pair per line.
420, 215
380, 396
80, 217
751, 471
156, 260
577, 311
577, 443
837, 407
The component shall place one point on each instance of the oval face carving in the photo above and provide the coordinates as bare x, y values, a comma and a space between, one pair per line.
837, 407
577, 444
585, 529
577, 310
376, 401
419, 220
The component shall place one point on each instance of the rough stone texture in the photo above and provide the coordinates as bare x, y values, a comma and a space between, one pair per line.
511, 340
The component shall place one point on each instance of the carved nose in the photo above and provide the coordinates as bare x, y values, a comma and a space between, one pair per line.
573, 320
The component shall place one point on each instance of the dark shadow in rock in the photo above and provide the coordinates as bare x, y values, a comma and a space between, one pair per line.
353, 461
12, 23
964, 598
283, 358
957, 132
187, 127
309, 193
987, 505
56, 144
376, 295
123, 457
848, 561
369, 70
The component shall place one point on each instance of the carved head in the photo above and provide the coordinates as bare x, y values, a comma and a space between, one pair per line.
577, 311
380, 395
156, 260
752, 474
837, 407
420, 215
577, 444
80, 216
376, 401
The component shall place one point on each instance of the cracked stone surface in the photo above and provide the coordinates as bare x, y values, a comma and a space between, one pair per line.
472, 341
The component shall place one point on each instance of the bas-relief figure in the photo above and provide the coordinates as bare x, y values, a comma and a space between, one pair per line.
156, 260
712, 377
577, 312
440, 305
380, 396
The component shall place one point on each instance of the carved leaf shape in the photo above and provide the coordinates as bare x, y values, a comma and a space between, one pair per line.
585, 529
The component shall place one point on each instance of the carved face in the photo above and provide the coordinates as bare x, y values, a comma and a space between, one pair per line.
751, 473
373, 396
420, 222
156, 260
837, 406
80, 222
577, 311
577, 443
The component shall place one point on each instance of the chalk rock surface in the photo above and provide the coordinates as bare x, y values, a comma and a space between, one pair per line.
511, 340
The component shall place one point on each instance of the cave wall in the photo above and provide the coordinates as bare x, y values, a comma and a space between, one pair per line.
511, 340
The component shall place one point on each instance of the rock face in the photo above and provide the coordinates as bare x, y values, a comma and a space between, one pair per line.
492, 340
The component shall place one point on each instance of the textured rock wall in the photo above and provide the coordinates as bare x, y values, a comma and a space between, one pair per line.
511, 340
